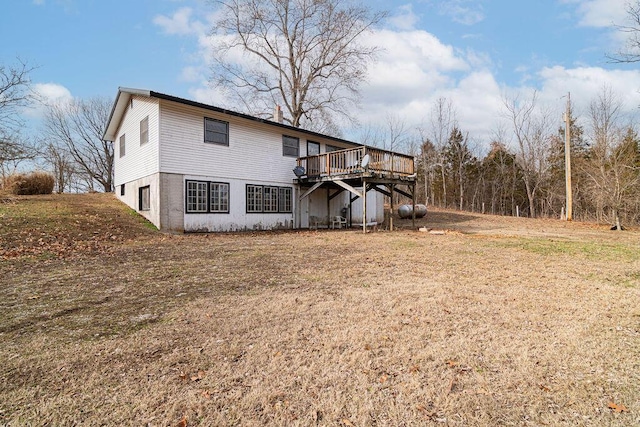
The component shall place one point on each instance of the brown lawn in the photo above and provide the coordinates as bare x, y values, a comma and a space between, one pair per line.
498, 321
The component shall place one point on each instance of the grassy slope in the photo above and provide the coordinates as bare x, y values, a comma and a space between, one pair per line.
103, 320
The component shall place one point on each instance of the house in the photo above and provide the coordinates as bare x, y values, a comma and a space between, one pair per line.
192, 167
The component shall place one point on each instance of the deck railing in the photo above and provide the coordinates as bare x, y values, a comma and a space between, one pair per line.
348, 161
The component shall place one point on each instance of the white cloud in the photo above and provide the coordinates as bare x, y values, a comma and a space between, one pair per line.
600, 13
47, 94
405, 18
52, 92
180, 23
466, 12
191, 74
586, 83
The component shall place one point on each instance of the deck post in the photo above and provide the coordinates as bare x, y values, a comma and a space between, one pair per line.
364, 205
391, 213
328, 206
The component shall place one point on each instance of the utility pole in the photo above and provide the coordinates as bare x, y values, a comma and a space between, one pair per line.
567, 157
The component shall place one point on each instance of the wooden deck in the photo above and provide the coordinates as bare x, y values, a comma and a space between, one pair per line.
346, 164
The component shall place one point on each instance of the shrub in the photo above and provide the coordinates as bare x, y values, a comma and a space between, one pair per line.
27, 184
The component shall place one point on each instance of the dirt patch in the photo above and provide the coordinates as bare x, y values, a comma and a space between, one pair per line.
501, 321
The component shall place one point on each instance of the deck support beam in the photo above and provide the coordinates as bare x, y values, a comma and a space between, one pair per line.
349, 188
311, 190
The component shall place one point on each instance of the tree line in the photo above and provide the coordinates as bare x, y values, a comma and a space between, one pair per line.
523, 169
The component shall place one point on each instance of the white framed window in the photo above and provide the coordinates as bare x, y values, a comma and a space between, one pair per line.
196, 197
144, 198
254, 198
122, 145
269, 199
216, 131
144, 130
284, 200
290, 146
218, 197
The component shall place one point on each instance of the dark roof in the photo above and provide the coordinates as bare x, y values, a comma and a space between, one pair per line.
124, 94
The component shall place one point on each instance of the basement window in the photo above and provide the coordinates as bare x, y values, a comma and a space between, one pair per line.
207, 197
144, 198
269, 199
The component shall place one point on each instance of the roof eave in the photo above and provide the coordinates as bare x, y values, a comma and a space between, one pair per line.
118, 109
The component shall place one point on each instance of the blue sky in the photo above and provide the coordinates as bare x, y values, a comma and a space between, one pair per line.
472, 52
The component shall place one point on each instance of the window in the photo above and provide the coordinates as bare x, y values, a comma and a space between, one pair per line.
290, 146
284, 200
331, 148
269, 199
196, 196
218, 197
313, 148
254, 198
122, 190
144, 130
122, 146
216, 132
207, 197
144, 198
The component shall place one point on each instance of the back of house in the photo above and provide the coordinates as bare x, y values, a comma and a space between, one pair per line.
192, 167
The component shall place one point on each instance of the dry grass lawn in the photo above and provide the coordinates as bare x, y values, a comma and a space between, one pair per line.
497, 322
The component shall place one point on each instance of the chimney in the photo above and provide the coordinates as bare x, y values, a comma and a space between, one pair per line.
277, 114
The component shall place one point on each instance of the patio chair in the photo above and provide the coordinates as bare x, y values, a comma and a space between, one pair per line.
338, 222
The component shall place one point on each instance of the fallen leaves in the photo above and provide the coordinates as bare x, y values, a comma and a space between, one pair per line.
617, 407
198, 377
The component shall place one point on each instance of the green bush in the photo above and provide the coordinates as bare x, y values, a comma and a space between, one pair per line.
28, 184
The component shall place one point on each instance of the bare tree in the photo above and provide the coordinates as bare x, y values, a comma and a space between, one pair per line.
442, 121
531, 130
61, 163
613, 167
307, 55
15, 95
630, 53
78, 127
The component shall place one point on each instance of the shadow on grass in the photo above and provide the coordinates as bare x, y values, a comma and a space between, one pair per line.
435, 219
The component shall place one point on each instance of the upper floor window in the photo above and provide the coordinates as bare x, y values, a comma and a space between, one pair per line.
144, 130
331, 148
216, 131
313, 148
290, 146
122, 146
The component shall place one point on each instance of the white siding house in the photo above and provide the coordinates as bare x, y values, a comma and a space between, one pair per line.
192, 167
